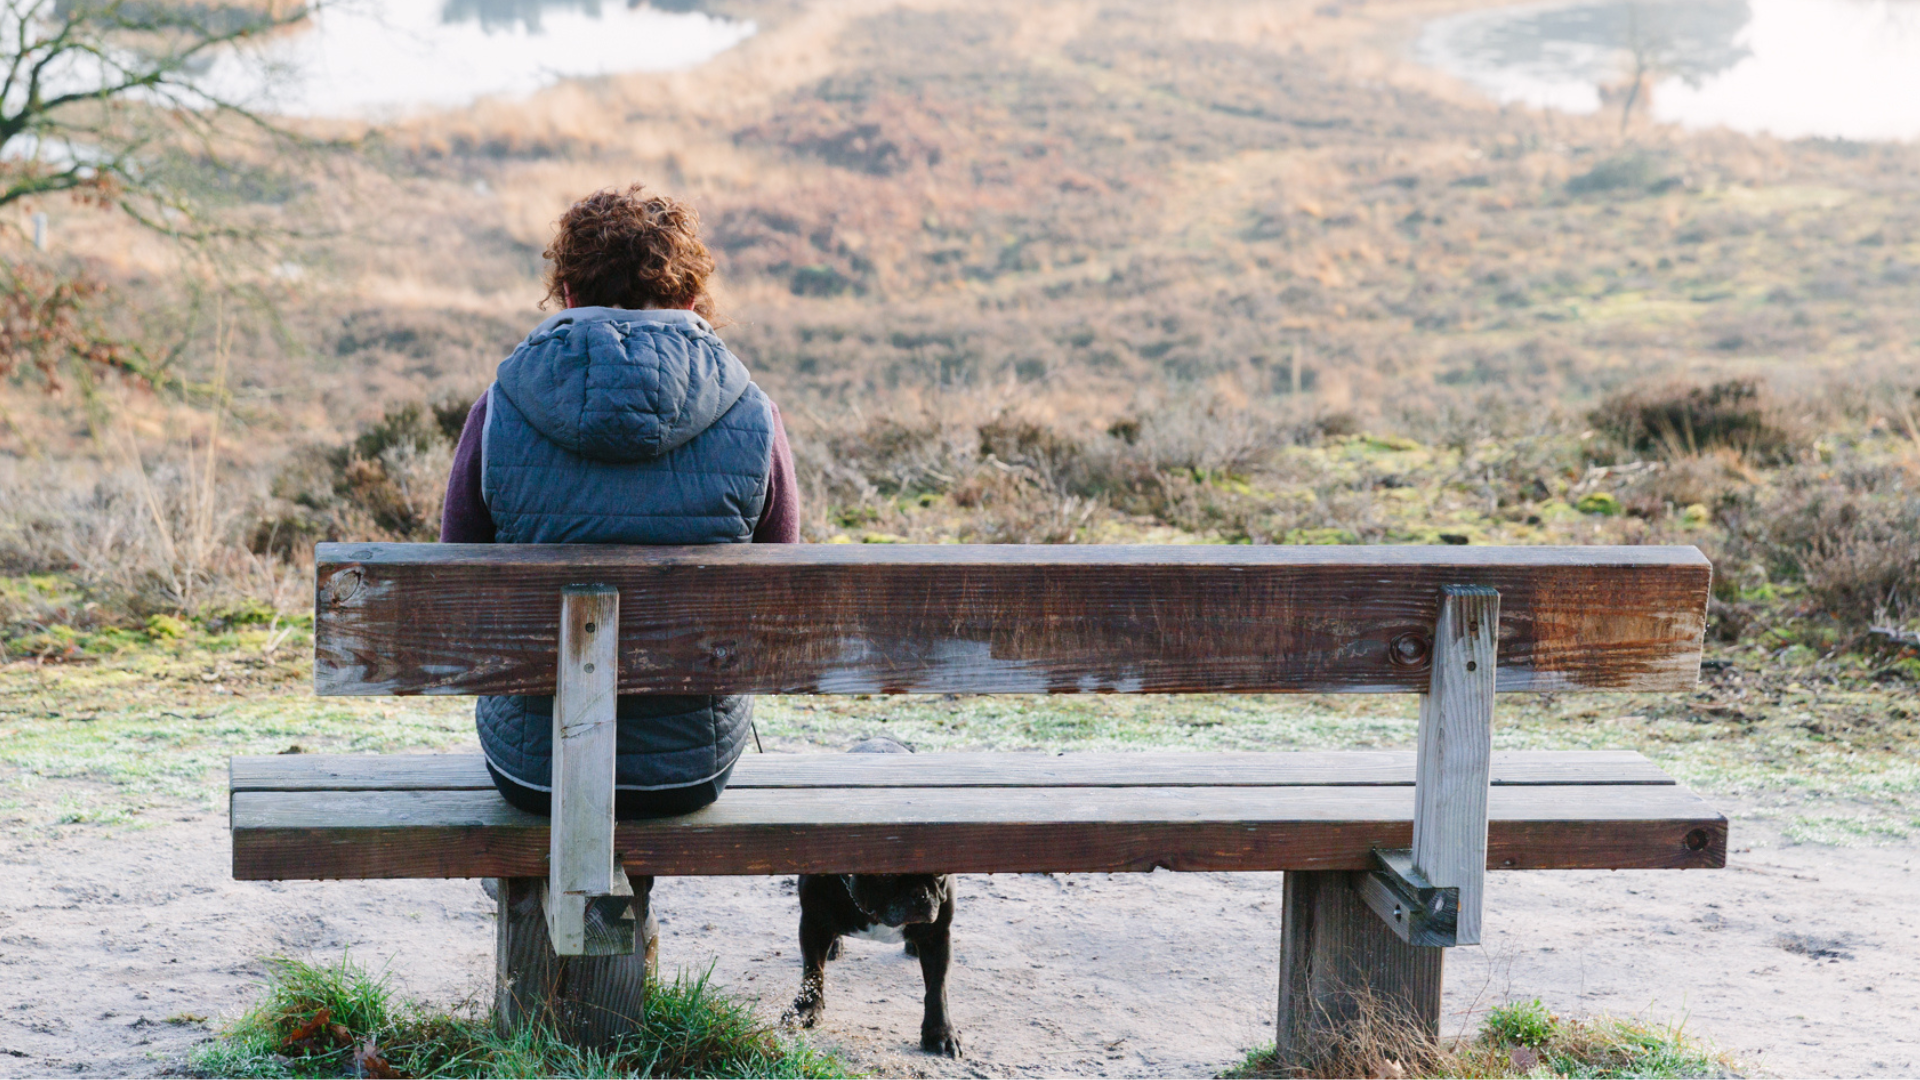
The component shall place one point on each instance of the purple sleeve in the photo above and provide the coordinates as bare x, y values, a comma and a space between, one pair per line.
780, 518
464, 518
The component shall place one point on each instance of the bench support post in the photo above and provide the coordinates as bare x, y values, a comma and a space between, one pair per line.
587, 898
590, 1001
1454, 761
1344, 972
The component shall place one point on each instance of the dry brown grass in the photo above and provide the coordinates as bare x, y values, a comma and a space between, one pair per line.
143, 538
1518, 1039
1052, 271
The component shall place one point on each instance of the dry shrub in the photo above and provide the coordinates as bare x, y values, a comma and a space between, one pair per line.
1368, 1039
1680, 421
1715, 479
1373, 1040
1849, 534
388, 484
1873, 576
49, 323
1019, 476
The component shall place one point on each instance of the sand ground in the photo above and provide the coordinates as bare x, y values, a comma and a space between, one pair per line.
1801, 959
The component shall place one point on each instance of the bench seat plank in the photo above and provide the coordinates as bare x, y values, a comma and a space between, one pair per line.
858, 618
467, 772
453, 833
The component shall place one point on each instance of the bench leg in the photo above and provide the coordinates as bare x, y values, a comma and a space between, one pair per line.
590, 1001
1341, 968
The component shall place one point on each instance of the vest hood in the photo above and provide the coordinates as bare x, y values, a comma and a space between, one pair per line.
614, 384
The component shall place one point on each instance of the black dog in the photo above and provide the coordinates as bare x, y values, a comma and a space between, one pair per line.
917, 907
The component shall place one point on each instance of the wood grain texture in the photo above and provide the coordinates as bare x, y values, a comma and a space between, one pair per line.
1456, 754
1333, 768
400, 834
583, 748
590, 1000
773, 618
1337, 960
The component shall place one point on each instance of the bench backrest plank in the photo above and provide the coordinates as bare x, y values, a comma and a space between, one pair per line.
482, 619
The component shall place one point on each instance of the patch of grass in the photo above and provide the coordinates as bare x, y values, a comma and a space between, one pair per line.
1848, 830
342, 1020
1524, 1039
1520, 1023
1105, 722
1518, 1039
101, 739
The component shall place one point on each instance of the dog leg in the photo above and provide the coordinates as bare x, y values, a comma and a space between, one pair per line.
933, 944
817, 941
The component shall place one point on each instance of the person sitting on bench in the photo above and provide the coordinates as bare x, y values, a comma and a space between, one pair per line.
623, 419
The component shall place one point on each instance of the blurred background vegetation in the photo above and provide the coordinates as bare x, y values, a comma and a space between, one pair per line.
1042, 272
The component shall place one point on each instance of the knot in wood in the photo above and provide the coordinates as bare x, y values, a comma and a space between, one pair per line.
343, 586
1410, 650
1697, 840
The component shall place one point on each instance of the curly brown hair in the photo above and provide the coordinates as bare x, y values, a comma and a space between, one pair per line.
630, 249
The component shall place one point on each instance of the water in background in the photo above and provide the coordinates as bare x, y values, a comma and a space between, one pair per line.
1833, 68
379, 58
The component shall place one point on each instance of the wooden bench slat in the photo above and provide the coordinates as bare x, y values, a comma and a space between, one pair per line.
457, 772
380, 834
775, 618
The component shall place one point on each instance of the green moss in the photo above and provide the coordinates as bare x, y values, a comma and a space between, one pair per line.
1598, 502
1320, 536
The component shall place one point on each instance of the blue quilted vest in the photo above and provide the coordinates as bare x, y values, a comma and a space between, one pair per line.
613, 426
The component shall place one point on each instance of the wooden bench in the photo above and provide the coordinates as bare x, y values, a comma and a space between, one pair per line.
1384, 853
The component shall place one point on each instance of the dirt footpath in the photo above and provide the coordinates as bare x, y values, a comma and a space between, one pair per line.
1801, 959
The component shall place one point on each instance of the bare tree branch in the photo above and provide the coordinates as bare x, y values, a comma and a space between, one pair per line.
110, 102
142, 55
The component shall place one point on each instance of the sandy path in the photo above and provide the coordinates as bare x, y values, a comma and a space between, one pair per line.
104, 935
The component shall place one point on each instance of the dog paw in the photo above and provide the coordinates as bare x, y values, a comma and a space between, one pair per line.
943, 1041
833, 950
913, 948
805, 1012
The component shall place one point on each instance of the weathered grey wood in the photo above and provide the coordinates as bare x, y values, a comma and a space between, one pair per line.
601, 924
1418, 911
1340, 966
587, 890
468, 772
378, 834
590, 1000
1455, 753
770, 618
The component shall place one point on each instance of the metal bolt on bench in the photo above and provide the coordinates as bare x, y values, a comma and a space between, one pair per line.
1385, 853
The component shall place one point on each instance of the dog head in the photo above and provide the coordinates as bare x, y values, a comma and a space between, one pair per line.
897, 899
